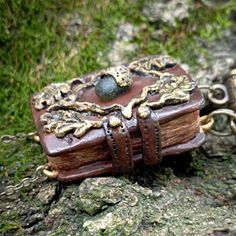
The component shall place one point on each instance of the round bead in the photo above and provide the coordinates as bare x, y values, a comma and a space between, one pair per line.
143, 112
114, 121
107, 88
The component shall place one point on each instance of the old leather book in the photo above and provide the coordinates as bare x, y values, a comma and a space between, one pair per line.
110, 121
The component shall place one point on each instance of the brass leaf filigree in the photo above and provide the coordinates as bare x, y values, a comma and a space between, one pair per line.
67, 114
63, 122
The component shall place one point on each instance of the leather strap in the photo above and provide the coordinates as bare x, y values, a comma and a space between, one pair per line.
121, 149
151, 138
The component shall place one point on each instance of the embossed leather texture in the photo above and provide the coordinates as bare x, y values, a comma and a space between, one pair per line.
88, 128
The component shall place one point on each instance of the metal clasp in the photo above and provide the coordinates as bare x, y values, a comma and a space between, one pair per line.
52, 174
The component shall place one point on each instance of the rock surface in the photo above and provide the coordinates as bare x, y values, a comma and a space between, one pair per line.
216, 63
188, 195
123, 47
167, 11
216, 3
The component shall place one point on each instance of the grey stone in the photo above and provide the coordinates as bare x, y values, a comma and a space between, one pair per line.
122, 48
47, 192
120, 52
94, 200
157, 34
217, 61
167, 11
216, 3
119, 206
126, 32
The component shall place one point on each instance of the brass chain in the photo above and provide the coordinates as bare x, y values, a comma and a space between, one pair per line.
26, 182
19, 136
214, 89
207, 121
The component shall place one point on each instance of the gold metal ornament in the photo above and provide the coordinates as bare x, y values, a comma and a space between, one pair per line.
143, 112
151, 65
114, 121
63, 122
67, 114
50, 94
121, 74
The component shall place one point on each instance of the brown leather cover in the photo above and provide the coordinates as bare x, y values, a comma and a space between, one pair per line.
121, 149
120, 141
151, 139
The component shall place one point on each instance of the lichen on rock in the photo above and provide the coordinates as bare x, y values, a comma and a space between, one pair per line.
120, 206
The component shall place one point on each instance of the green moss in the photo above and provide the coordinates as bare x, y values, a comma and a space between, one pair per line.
203, 25
10, 223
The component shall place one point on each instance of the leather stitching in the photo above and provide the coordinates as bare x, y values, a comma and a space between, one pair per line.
121, 151
145, 126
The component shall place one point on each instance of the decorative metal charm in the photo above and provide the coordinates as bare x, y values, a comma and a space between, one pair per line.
51, 94
152, 65
114, 121
62, 122
121, 74
143, 112
67, 114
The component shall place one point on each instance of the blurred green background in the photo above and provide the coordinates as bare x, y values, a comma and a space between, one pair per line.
49, 41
